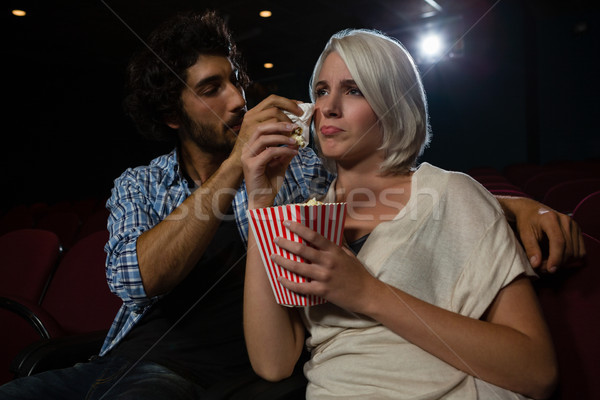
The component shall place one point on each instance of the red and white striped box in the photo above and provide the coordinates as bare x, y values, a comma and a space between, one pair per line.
267, 224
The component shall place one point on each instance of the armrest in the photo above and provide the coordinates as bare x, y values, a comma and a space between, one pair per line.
40, 320
61, 352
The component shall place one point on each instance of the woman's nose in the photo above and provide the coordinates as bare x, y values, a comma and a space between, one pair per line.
330, 106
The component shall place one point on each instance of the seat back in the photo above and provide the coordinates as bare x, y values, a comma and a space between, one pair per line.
538, 185
27, 259
587, 215
95, 222
519, 173
65, 224
565, 196
18, 217
570, 301
78, 297
84, 207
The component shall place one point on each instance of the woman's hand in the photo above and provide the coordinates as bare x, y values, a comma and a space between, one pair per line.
335, 274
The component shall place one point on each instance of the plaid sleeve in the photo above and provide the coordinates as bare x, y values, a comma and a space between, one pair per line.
131, 213
306, 177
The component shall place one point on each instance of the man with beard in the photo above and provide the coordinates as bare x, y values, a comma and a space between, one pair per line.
176, 252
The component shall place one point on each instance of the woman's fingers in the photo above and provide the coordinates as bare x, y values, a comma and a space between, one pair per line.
311, 272
300, 249
314, 238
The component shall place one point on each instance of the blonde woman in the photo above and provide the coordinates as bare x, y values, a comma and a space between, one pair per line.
431, 298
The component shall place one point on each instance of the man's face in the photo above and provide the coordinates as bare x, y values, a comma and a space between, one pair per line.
213, 105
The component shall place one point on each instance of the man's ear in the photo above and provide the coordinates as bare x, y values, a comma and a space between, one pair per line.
172, 122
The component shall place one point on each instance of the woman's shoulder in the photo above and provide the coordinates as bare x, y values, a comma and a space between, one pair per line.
454, 180
458, 189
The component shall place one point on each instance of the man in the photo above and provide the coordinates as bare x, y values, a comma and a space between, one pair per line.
176, 254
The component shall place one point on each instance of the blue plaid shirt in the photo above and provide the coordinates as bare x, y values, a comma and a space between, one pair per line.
144, 196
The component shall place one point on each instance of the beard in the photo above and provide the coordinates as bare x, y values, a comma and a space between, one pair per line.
213, 138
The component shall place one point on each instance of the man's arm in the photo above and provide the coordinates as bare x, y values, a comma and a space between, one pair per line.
134, 214
539, 226
169, 251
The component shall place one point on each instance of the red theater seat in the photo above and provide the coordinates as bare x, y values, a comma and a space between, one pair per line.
565, 196
571, 300
27, 259
587, 215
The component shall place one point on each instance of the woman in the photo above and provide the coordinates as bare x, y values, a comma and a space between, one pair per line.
437, 302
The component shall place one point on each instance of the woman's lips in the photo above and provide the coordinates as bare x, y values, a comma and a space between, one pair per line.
330, 130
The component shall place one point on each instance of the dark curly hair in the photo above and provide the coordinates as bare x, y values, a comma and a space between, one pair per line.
156, 75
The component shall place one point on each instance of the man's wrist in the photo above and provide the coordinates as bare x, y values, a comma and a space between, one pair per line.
507, 203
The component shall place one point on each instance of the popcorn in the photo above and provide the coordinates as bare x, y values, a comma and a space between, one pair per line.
297, 134
267, 223
313, 202
302, 132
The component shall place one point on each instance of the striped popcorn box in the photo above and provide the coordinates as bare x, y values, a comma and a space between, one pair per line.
267, 223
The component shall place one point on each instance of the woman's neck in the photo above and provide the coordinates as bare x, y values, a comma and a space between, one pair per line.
373, 183
371, 198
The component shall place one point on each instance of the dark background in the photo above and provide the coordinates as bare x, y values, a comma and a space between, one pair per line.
521, 86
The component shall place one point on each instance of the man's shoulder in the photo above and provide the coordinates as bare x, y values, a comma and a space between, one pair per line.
308, 156
310, 164
158, 168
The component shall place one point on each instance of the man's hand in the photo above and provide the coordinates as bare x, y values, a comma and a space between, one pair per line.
267, 148
270, 109
551, 239
265, 159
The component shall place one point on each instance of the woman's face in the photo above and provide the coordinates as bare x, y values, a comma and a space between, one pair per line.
346, 125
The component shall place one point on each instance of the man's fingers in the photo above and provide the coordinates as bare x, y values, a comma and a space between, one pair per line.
271, 134
284, 103
532, 247
278, 103
556, 232
578, 248
275, 134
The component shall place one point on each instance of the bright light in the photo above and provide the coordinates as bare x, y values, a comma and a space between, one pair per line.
19, 13
431, 45
268, 65
265, 13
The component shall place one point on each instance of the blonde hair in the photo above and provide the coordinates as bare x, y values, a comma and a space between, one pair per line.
388, 78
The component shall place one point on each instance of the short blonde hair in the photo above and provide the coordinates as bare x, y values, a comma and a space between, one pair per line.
388, 78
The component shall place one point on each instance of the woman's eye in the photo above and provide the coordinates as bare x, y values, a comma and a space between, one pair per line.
355, 92
320, 92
